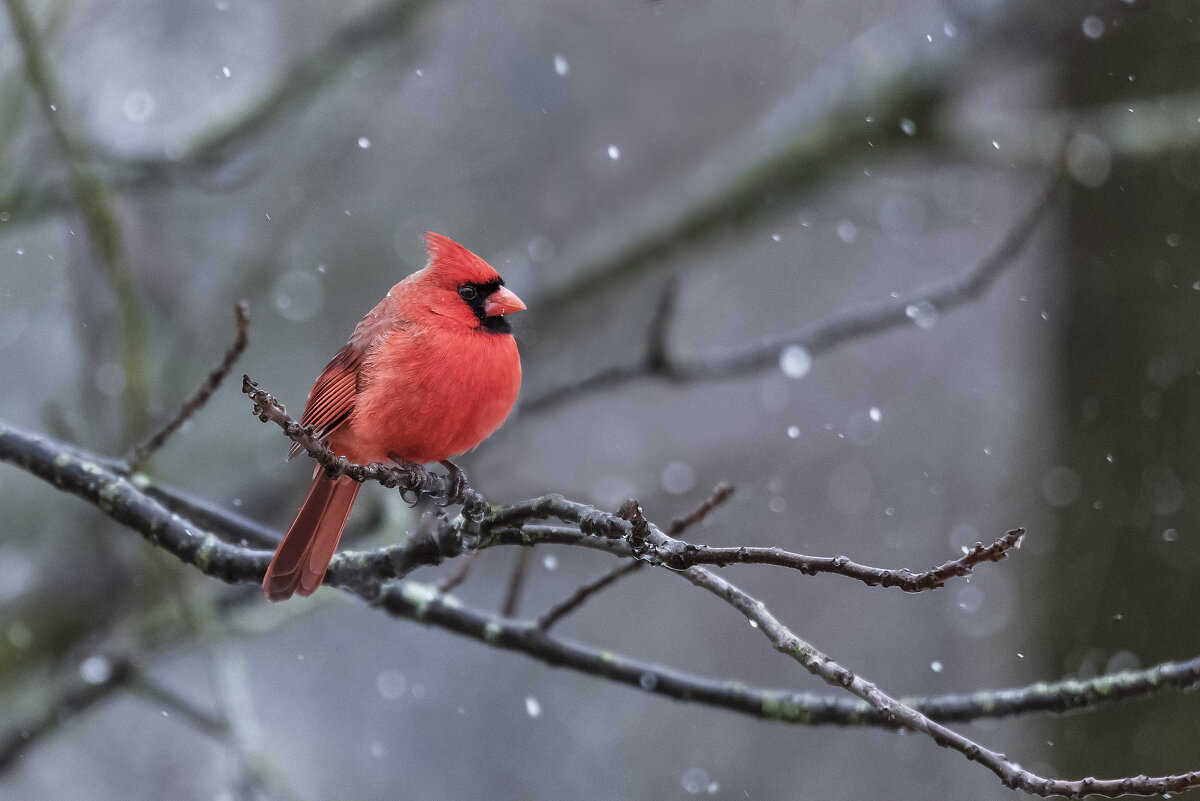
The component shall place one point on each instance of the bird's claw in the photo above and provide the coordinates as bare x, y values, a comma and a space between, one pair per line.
419, 480
413, 478
458, 483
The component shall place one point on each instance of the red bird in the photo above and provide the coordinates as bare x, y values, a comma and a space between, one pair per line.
429, 373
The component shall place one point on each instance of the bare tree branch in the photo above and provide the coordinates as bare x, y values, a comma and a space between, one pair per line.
1010, 773
122, 500
424, 604
811, 565
128, 502
660, 549
228, 525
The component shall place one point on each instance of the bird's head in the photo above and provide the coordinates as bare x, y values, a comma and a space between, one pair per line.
466, 288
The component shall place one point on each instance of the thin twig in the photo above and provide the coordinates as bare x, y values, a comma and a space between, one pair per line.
720, 494
577, 598
516, 584
149, 446
455, 579
676, 554
902, 578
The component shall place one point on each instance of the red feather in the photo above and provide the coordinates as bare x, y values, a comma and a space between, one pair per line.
425, 376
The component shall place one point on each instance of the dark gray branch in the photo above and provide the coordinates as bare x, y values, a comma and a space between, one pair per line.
123, 500
92, 478
903, 578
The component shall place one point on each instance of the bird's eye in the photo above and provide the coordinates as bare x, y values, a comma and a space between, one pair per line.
468, 293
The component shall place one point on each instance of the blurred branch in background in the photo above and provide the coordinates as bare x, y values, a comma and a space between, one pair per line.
888, 91
802, 345
97, 678
90, 195
301, 84
72, 697
878, 95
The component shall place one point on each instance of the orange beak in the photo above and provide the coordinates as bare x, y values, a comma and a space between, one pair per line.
502, 301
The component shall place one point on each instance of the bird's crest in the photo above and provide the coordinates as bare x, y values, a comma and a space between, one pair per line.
447, 257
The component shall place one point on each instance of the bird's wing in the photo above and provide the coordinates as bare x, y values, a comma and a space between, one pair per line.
332, 397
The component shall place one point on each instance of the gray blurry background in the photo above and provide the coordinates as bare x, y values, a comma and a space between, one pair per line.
783, 160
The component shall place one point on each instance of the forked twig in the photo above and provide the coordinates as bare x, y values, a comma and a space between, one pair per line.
720, 494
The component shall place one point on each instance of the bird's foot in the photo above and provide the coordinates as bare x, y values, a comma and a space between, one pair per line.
458, 483
415, 476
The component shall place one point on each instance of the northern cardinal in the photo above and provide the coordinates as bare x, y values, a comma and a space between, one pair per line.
430, 372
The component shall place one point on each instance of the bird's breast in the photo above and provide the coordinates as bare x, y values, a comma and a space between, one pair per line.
431, 393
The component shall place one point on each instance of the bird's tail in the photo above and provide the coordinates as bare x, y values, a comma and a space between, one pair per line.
303, 555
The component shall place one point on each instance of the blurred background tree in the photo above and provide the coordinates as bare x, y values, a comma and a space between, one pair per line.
774, 163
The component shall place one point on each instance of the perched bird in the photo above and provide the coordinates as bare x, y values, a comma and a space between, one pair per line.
430, 372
